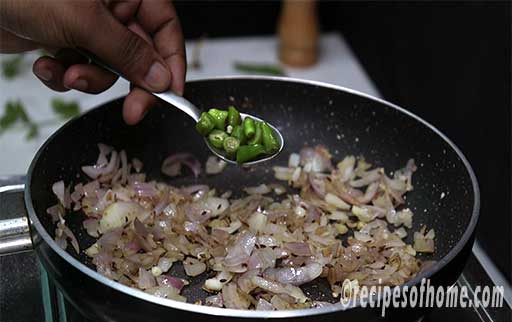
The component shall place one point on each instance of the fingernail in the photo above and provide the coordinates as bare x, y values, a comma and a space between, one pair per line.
79, 84
44, 74
157, 77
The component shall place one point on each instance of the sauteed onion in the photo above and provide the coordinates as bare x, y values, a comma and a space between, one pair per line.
345, 222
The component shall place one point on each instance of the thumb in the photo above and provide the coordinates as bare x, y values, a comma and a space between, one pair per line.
125, 51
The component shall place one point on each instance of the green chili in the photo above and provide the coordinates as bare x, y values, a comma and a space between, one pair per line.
244, 141
219, 118
238, 132
256, 139
249, 152
217, 137
205, 124
231, 145
234, 116
269, 140
249, 127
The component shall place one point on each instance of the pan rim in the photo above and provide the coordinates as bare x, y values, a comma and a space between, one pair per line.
223, 312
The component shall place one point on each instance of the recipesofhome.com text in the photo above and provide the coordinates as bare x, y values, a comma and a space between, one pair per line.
423, 295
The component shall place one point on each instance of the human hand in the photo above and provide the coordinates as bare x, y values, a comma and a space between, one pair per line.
142, 39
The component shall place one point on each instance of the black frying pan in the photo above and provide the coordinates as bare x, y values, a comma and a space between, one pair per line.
307, 113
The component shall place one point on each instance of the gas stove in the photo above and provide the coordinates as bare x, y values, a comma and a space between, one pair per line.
28, 295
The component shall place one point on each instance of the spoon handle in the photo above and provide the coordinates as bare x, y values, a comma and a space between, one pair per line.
170, 97
180, 103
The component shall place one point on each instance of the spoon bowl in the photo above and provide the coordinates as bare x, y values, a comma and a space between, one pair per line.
195, 113
191, 110
275, 131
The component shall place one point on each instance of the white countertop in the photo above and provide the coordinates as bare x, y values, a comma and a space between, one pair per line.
337, 65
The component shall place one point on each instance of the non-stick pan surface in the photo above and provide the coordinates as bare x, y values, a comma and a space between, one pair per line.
445, 195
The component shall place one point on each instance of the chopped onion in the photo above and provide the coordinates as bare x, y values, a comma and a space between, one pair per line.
214, 300
261, 246
336, 202
263, 305
241, 250
58, 189
294, 275
146, 279
233, 299
299, 249
172, 164
257, 222
346, 168
424, 242
261, 189
91, 225
214, 165
278, 288
216, 205
193, 267
294, 160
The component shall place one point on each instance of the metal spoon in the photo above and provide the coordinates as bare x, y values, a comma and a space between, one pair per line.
191, 110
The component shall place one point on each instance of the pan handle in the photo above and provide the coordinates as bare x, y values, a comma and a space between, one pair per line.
14, 233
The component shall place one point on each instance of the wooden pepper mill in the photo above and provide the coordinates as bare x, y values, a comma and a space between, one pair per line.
298, 33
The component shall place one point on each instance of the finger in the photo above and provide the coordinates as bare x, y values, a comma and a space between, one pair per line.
124, 10
10, 43
136, 28
159, 19
136, 104
50, 71
68, 57
88, 78
129, 53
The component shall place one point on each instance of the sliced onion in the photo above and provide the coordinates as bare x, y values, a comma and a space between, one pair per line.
69, 235
315, 159
346, 168
299, 249
171, 281
200, 189
278, 288
261, 259
108, 241
216, 206
424, 242
56, 212
262, 246
263, 305
367, 178
96, 171
294, 275
370, 193
58, 189
146, 279
143, 189
336, 202
318, 185
214, 165
172, 164
214, 300
193, 267
257, 222
233, 299
91, 225
261, 190
91, 188
294, 160
283, 173
241, 250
